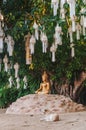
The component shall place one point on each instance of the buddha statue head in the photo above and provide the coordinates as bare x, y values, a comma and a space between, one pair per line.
45, 77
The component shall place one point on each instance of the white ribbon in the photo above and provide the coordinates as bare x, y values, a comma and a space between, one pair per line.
62, 3
35, 26
53, 57
44, 40
53, 50
72, 7
32, 44
73, 25
54, 5
72, 50
10, 44
84, 21
5, 67
78, 31
16, 67
18, 82
10, 81
5, 60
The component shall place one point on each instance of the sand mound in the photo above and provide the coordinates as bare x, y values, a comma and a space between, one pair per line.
44, 104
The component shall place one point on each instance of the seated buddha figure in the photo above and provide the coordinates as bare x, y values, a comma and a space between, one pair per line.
45, 85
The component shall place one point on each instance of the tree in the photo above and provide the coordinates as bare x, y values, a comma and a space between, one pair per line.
19, 17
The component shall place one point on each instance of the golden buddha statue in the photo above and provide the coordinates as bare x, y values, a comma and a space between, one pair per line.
45, 85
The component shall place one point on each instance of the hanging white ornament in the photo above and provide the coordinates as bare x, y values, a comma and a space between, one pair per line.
35, 26
73, 24
82, 24
62, 13
0, 64
54, 5
62, 3
10, 44
11, 81
53, 50
78, 31
25, 82
1, 39
18, 82
5, 61
44, 40
72, 4
84, 31
57, 35
84, 1
16, 67
9, 68
82, 11
70, 33
84, 21
72, 50
32, 44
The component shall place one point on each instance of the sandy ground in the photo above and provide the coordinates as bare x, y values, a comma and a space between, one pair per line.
68, 121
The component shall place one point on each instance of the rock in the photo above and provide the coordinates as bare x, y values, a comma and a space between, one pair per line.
44, 104
51, 117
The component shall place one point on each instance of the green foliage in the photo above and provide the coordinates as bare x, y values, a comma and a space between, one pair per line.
9, 95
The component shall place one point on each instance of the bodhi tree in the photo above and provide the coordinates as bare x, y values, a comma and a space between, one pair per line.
57, 41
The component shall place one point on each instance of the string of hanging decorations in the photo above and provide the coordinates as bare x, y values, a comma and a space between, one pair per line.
75, 27
10, 46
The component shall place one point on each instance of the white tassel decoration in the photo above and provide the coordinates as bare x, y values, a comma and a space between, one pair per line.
62, 13
11, 81
57, 35
84, 21
72, 7
72, 50
84, 32
32, 44
53, 50
62, 3
10, 44
35, 26
78, 31
1, 39
73, 24
70, 34
25, 82
18, 82
54, 5
44, 40
5, 61
16, 67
